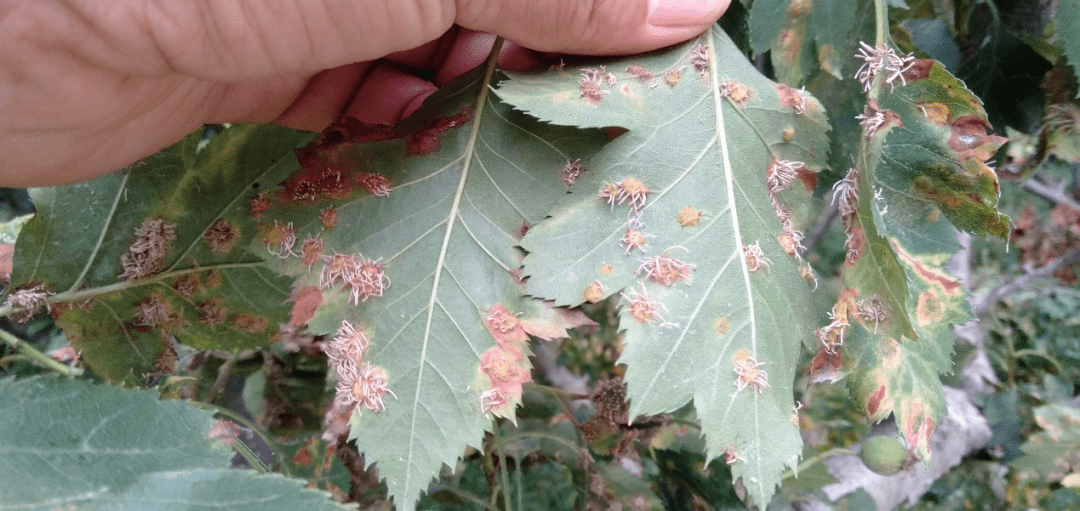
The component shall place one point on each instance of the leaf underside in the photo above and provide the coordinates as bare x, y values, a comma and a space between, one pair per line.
695, 146
76, 243
446, 236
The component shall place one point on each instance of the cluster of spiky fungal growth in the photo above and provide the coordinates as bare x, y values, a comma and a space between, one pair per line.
699, 58
665, 269
633, 239
504, 367
630, 191
846, 199
644, 75
879, 59
643, 309
28, 301
731, 456
748, 372
280, 240
375, 183
221, 236
147, 253
156, 312
831, 336
570, 172
363, 278
778, 176
362, 383
592, 81
754, 257
312, 250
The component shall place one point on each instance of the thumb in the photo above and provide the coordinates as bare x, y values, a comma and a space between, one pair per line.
599, 27
259, 38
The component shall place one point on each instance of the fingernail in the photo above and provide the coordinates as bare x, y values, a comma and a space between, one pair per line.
681, 13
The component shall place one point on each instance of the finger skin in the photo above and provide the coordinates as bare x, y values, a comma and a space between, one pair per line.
86, 87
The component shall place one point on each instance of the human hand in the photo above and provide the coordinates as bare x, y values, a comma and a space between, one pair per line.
87, 87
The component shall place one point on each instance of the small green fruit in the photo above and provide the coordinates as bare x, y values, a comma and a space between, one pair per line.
884, 455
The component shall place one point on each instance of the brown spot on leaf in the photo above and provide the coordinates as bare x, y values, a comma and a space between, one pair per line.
303, 457
791, 98
873, 403
737, 92
970, 139
722, 325
188, 285
918, 70
7, 252
211, 312
156, 312
505, 327
933, 216
929, 309
426, 141
375, 183
606, 269
305, 300
221, 236
672, 77
827, 365
328, 218
250, 323
213, 279
258, 205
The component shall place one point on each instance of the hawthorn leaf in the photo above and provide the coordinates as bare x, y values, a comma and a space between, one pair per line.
434, 211
192, 279
704, 321
1067, 18
73, 444
1050, 452
804, 35
922, 174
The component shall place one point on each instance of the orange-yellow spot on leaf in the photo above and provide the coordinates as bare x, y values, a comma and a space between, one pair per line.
722, 326
929, 309
606, 269
594, 292
688, 216
938, 113
741, 355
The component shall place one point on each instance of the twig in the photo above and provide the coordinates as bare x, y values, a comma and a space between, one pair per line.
1054, 194
222, 378
981, 304
24, 348
832, 212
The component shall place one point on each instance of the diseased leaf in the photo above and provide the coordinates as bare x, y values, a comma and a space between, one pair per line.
433, 214
922, 173
713, 307
188, 274
804, 35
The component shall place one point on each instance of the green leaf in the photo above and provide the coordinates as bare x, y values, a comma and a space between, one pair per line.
1067, 18
72, 444
1050, 452
223, 299
703, 145
922, 173
804, 35
462, 181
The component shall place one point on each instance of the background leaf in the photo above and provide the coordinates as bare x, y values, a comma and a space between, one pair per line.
1067, 17
704, 141
78, 238
804, 36
70, 443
